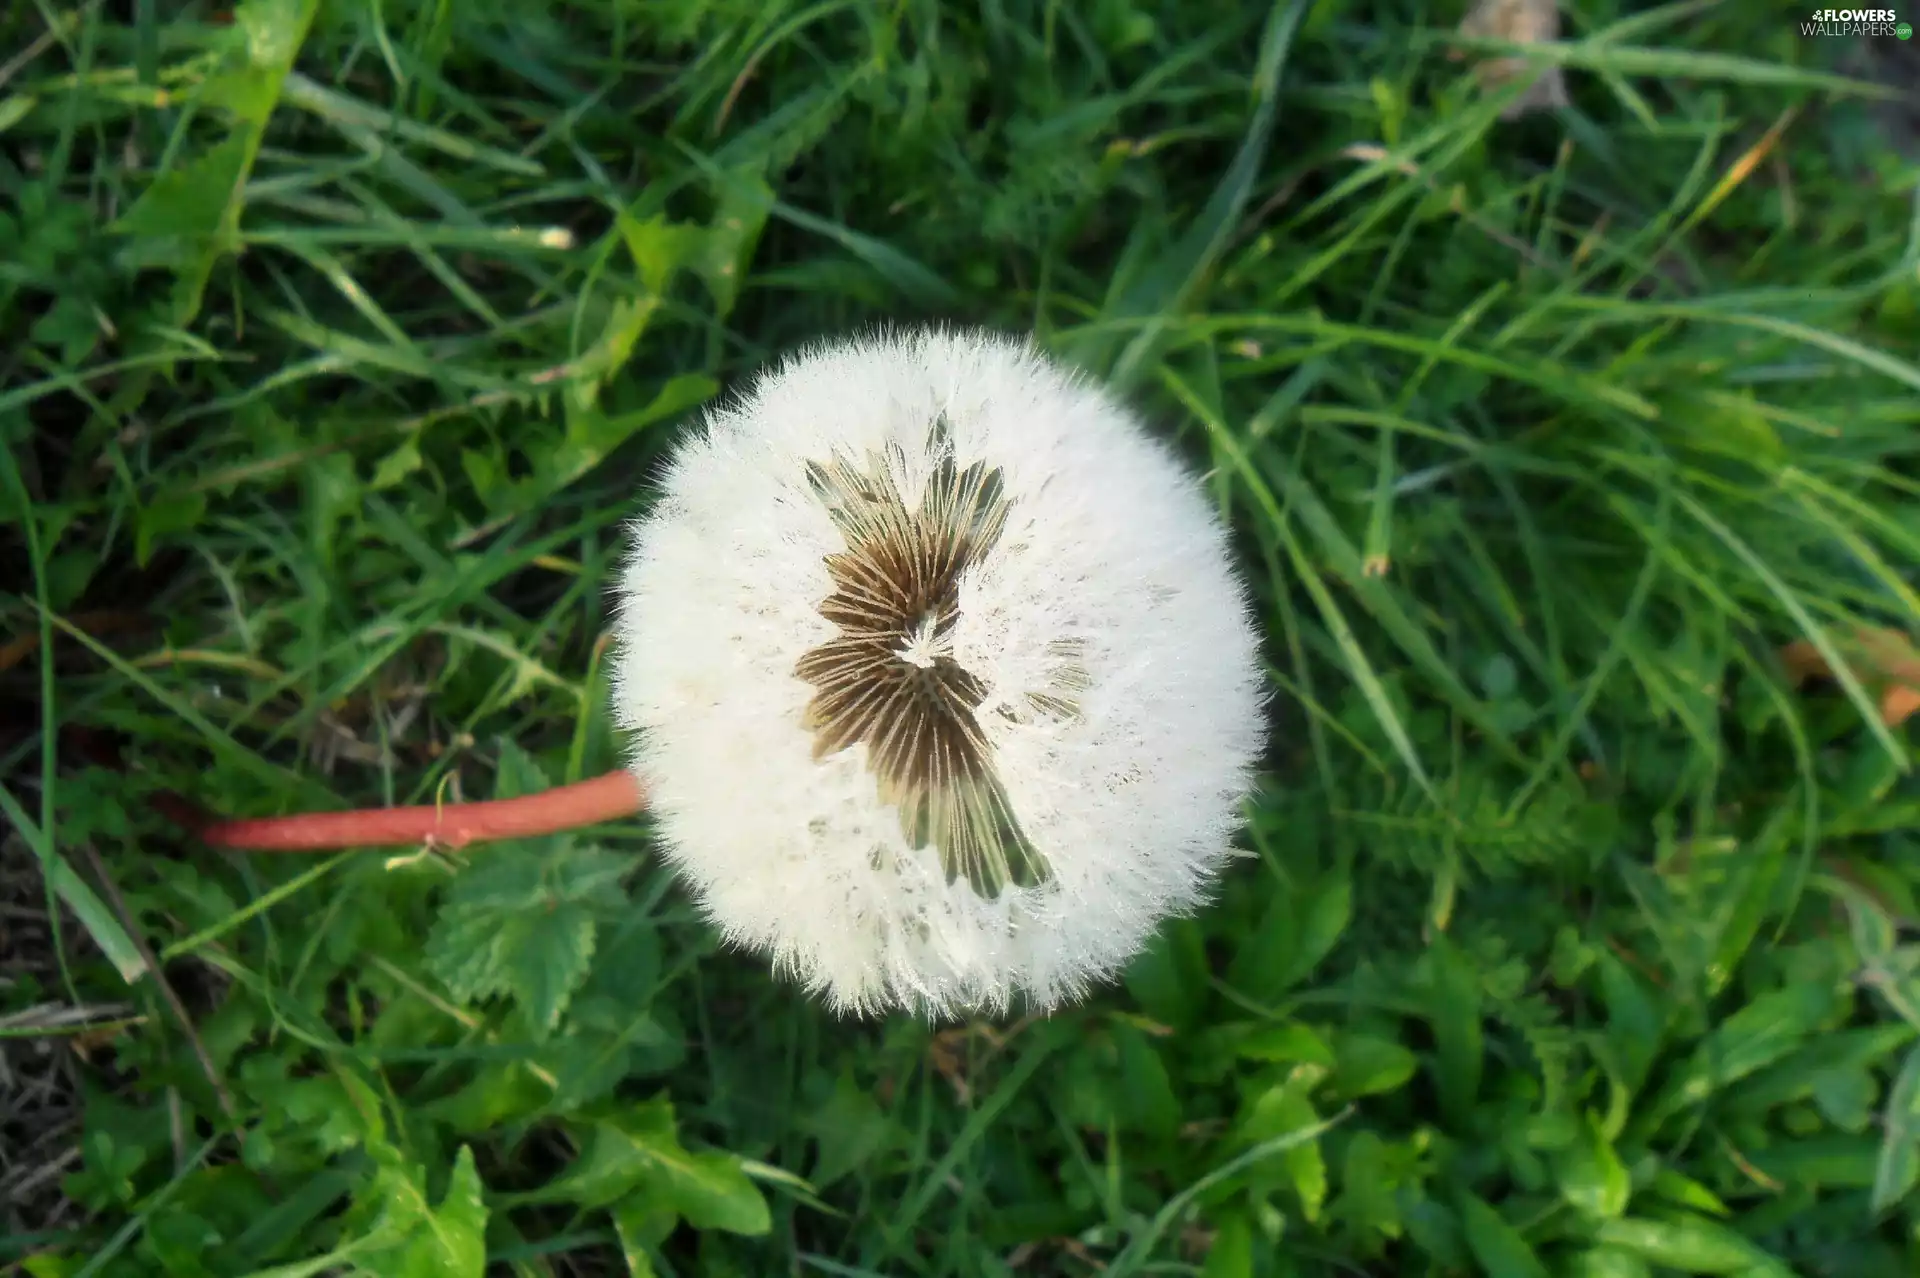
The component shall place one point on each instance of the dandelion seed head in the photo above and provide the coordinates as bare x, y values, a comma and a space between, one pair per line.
939, 676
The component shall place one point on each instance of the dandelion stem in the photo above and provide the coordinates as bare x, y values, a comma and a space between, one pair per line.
450, 825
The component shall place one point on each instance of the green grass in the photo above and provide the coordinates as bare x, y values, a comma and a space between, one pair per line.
338, 347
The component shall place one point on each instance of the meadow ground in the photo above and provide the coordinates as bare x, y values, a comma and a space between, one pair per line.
1572, 458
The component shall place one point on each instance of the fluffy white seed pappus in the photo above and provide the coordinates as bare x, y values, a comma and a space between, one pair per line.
940, 680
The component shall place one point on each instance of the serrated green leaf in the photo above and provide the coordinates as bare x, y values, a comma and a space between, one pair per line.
550, 961
627, 319
516, 775
539, 956
510, 878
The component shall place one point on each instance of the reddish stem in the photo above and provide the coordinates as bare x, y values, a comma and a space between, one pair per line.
450, 825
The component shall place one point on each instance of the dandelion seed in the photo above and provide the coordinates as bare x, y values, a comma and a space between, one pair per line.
942, 686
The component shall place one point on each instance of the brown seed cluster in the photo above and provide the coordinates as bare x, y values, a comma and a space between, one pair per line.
889, 679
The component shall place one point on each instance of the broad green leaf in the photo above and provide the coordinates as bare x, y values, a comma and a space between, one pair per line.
616, 1155
497, 1095
195, 210
1437, 1231
659, 248
448, 1241
1591, 1175
1285, 1107
397, 465
1171, 978
1294, 934
639, 1228
1324, 916
627, 319
1459, 1045
636, 1156
848, 1130
175, 217
1368, 1182
726, 250
1684, 1191
1286, 1043
1845, 1097
1148, 1100
1898, 1167
1497, 1245
1231, 1255
171, 514
1690, 1244
1752, 1038
712, 1192
1795, 1076
1636, 1024
1834, 1160
1608, 1262
1367, 1066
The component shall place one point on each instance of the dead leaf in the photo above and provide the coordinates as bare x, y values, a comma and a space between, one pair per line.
1522, 22
1887, 658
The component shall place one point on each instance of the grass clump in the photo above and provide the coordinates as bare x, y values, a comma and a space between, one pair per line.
340, 339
